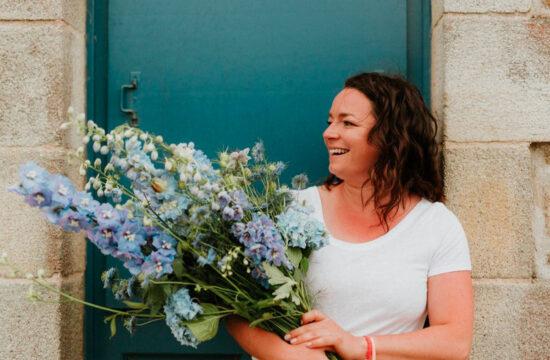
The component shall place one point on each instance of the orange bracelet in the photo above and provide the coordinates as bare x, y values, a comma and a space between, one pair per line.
369, 347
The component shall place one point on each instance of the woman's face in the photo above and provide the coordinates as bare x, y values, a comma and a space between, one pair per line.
349, 123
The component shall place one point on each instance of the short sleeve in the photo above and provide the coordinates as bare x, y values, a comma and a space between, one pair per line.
451, 252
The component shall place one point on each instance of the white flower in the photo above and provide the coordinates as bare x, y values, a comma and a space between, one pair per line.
87, 186
97, 162
82, 170
143, 136
80, 117
118, 138
158, 138
100, 193
154, 155
65, 126
96, 137
96, 146
70, 111
85, 139
104, 150
90, 124
128, 133
80, 151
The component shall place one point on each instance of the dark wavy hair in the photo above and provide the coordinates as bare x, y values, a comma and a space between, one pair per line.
405, 135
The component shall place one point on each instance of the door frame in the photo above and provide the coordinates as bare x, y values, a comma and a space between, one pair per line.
418, 71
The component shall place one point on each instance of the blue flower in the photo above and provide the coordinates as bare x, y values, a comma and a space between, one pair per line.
300, 229
106, 215
84, 202
73, 220
132, 236
62, 190
165, 243
158, 264
209, 258
108, 277
105, 237
180, 307
38, 196
32, 175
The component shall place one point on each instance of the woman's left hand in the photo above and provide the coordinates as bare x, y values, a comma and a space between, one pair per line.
319, 331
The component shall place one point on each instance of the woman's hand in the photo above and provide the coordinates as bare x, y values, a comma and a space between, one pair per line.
320, 331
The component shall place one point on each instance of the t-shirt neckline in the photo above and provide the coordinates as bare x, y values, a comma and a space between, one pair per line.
411, 216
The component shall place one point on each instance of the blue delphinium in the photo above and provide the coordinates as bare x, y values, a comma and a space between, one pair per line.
158, 263
262, 242
180, 307
300, 229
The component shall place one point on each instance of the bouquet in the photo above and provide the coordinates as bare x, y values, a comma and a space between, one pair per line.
201, 239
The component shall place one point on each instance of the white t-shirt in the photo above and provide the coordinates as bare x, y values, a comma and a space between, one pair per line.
380, 286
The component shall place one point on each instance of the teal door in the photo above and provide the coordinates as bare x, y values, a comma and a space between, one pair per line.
223, 74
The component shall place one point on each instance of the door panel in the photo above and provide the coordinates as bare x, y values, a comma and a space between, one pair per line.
223, 74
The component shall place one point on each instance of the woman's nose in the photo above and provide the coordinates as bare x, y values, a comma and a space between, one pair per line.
330, 132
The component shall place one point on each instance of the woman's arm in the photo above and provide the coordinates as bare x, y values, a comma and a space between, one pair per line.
265, 345
451, 314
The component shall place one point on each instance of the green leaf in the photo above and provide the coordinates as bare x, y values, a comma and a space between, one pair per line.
177, 266
135, 305
298, 275
265, 316
295, 299
113, 327
276, 277
304, 264
294, 255
283, 291
206, 326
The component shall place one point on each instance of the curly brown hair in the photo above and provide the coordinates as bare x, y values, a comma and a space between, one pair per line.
405, 136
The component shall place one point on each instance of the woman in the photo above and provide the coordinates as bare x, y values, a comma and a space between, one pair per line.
396, 253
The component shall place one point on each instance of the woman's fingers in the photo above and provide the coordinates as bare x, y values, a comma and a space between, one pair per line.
313, 315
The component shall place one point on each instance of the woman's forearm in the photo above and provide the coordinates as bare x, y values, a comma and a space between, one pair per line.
435, 342
257, 342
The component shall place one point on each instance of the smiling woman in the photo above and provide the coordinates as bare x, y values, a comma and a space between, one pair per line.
396, 253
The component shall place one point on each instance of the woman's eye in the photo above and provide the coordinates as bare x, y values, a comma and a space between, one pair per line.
348, 123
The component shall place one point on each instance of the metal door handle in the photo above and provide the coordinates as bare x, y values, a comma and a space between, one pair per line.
133, 86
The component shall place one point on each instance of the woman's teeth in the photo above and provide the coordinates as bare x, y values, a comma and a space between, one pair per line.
338, 151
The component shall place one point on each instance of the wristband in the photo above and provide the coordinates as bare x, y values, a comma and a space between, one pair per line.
369, 347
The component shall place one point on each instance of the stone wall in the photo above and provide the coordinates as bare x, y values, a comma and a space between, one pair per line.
491, 91
42, 72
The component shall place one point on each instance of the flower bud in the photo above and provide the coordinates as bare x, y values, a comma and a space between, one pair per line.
81, 117
87, 186
100, 192
85, 139
65, 126
96, 137
154, 155
97, 162
159, 139
90, 124
80, 151
159, 185
82, 170
105, 150
128, 133
168, 165
70, 111
143, 137
96, 146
